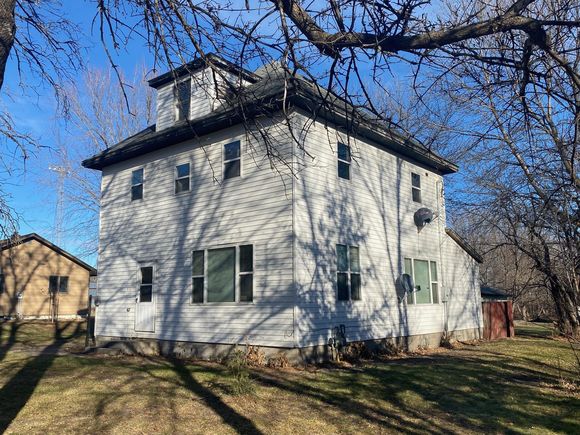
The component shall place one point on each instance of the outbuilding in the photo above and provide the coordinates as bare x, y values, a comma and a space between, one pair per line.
498, 318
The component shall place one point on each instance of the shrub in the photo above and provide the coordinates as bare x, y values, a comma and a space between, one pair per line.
237, 366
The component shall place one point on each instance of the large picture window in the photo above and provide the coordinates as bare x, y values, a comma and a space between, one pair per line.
348, 281
223, 274
424, 275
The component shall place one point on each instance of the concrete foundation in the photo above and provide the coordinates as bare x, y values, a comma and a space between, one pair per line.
311, 354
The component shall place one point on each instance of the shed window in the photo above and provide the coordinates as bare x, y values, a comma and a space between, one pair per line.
146, 285
182, 94
232, 160
137, 184
348, 280
58, 284
424, 275
182, 178
344, 160
2, 282
416, 186
215, 280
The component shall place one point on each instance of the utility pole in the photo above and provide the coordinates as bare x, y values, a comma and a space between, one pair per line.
58, 216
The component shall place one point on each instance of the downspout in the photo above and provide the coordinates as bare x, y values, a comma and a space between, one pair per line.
440, 198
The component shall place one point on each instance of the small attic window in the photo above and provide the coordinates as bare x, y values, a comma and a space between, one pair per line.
182, 95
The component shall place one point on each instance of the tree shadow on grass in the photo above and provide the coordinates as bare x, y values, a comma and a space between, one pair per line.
229, 415
17, 391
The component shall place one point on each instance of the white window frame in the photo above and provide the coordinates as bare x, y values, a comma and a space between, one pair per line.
431, 281
140, 280
177, 110
339, 160
416, 189
142, 169
224, 161
237, 274
176, 178
349, 272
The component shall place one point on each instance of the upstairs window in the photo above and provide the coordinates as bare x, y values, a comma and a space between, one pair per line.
58, 284
182, 94
182, 178
232, 160
348, 282
416, 186
214, 273
424, 275
344, 161
137, 184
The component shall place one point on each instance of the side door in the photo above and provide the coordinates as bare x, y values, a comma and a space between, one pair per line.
145, 299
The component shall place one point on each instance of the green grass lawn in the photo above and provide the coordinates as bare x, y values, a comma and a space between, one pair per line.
528, 384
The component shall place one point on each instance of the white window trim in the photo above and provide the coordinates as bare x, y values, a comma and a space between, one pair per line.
142, 168
349, 272
237, 273
175, 102
414, 188
430, 280
344, 161
175, 177
224, 179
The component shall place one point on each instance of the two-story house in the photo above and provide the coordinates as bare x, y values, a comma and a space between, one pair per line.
261, 210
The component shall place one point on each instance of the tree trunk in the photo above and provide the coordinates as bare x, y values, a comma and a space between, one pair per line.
7, 34
566, 308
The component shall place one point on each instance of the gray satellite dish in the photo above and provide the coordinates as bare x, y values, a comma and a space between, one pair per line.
422, 217
404, 286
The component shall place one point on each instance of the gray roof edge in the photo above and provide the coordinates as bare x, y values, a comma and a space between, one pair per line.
464, 245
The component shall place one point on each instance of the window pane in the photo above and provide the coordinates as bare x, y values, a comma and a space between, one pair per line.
183, 98
246, 258
63, 284
416, 180
342, 258
146, 275
146, 293
344, 170
354, 260
342, 286
197, 263
221, 275
232, 150
137, 192
232, 169
182, 185
197, 297
1, 283
52, 283
246, 287
183, 170
343, 152
433, 271
435, 290
137, 177
416, 195
355, 287
408, 267
422, 282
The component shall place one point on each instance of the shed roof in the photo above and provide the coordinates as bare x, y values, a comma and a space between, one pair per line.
19, 240
492, 293
265, 97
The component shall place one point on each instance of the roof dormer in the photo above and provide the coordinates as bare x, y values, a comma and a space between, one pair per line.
196, 89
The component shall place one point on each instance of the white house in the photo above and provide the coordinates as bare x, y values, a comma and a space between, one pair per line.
261, 210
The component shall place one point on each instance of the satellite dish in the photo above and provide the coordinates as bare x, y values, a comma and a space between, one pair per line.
422, 217
404, 286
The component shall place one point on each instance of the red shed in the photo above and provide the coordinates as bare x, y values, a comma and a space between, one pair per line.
498, 317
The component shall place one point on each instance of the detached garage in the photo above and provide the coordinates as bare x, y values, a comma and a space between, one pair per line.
498, 318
